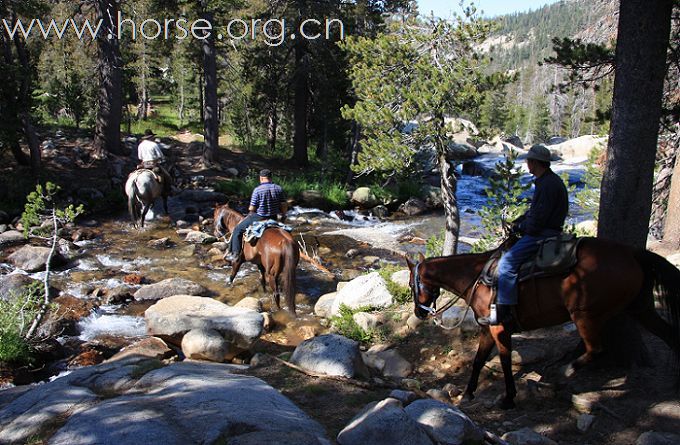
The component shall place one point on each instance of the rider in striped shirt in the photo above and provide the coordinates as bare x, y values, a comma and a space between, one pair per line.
267, 201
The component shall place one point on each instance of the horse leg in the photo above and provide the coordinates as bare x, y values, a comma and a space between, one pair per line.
503, 339
276, 296
486, 343
165, 204
263, 277
590, 332
235, 266
146, 209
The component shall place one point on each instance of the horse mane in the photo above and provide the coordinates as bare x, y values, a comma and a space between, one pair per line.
224, 215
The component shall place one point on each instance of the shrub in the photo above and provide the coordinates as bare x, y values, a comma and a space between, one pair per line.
347, 327
434, 246
400, 293
16, 315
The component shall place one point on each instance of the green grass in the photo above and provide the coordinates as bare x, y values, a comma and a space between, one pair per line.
16, 315
347, 327
400, 293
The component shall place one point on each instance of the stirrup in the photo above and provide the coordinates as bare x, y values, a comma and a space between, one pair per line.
491, 320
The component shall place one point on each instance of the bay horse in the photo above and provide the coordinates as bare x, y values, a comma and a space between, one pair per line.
143, 189
276, 255
609, 278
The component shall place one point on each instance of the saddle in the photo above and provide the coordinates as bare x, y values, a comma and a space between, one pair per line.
256, 229
555, 256
153, 171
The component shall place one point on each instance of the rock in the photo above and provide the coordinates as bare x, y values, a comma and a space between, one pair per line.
197, 237
658, 438
181, 224
221, 245
383, 422
170, 287
12, 286
118, 295
161, 243
65, 313
150, 347
452, 390
371, 260
444, 423
3, 228
351, 253
341, 285
205, 344
387, 361
453, 316
173, 316
380, 211
4, 217
312, 198
554, 140
324, 304
674, 260
413, 322
90, 194
33, 258
438, 395
367, 290
527, 436
231, 171
515, 140
585, 402
10, 237
329, 354
364, 197
432, 196
201, 196
589, 226
405, 397
135, 401
578, 148
584, 422
187, 251
668, 410
413, 207
401, 277
252, 303
367, 322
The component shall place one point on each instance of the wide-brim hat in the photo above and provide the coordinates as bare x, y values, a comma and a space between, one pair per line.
149, 134
540, 153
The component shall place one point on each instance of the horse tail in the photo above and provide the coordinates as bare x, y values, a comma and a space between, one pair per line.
132, 202
291, 256
663, 280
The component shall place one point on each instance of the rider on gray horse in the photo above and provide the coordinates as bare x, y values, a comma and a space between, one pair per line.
151, 157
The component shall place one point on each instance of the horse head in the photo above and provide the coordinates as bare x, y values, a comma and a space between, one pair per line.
225, 219
424, 294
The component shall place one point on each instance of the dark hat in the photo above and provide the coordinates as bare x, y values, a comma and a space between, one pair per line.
266, 173
539, 152
148, 134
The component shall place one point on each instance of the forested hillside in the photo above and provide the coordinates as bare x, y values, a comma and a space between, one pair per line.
535, 106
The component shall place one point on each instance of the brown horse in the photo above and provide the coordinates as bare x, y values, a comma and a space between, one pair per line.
609, 278
276, 255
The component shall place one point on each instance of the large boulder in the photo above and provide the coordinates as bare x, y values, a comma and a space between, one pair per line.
172, 317
170, 287
461, 317
401, 277
432, 196
11, 237
12, 286
201, 196
413, 207
324, 305
138, 400
387, 362
444, 423
579, 147
365, 291
364, 197
205, 344
330, 354
198, 237
383, 423
34, 258
658, 438
527, 436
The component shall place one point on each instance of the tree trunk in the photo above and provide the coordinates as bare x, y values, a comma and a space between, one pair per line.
25, 98
448, 186
626, 196
143, 107
301, 99
210, 121
19, 154
671, 232
355, 148
110, 100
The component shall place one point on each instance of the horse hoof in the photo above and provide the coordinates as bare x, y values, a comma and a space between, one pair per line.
467, 397
568, 371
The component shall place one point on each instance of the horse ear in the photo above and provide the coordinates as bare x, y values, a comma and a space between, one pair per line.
421, 257
409, 263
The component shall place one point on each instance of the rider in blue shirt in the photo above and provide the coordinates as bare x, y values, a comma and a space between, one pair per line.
544, 219
266, 202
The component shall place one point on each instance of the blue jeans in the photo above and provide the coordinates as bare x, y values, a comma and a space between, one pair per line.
509, 264
239, 230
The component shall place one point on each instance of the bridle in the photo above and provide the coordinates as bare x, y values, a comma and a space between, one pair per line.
432, 311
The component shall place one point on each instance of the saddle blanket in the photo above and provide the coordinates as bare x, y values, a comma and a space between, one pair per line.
256, 229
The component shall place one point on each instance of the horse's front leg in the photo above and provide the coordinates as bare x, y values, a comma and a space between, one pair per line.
263, 277
235, 266
165, 204
486, 343
503, 339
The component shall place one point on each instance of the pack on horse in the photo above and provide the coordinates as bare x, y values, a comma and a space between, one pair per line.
608, 278
143, 188
276, 255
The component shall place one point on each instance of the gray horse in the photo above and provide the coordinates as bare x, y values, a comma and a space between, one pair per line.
142, 189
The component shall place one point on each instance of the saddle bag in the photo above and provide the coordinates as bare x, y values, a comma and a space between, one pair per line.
557, 253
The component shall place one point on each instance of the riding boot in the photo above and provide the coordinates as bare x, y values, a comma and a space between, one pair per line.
499, 314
